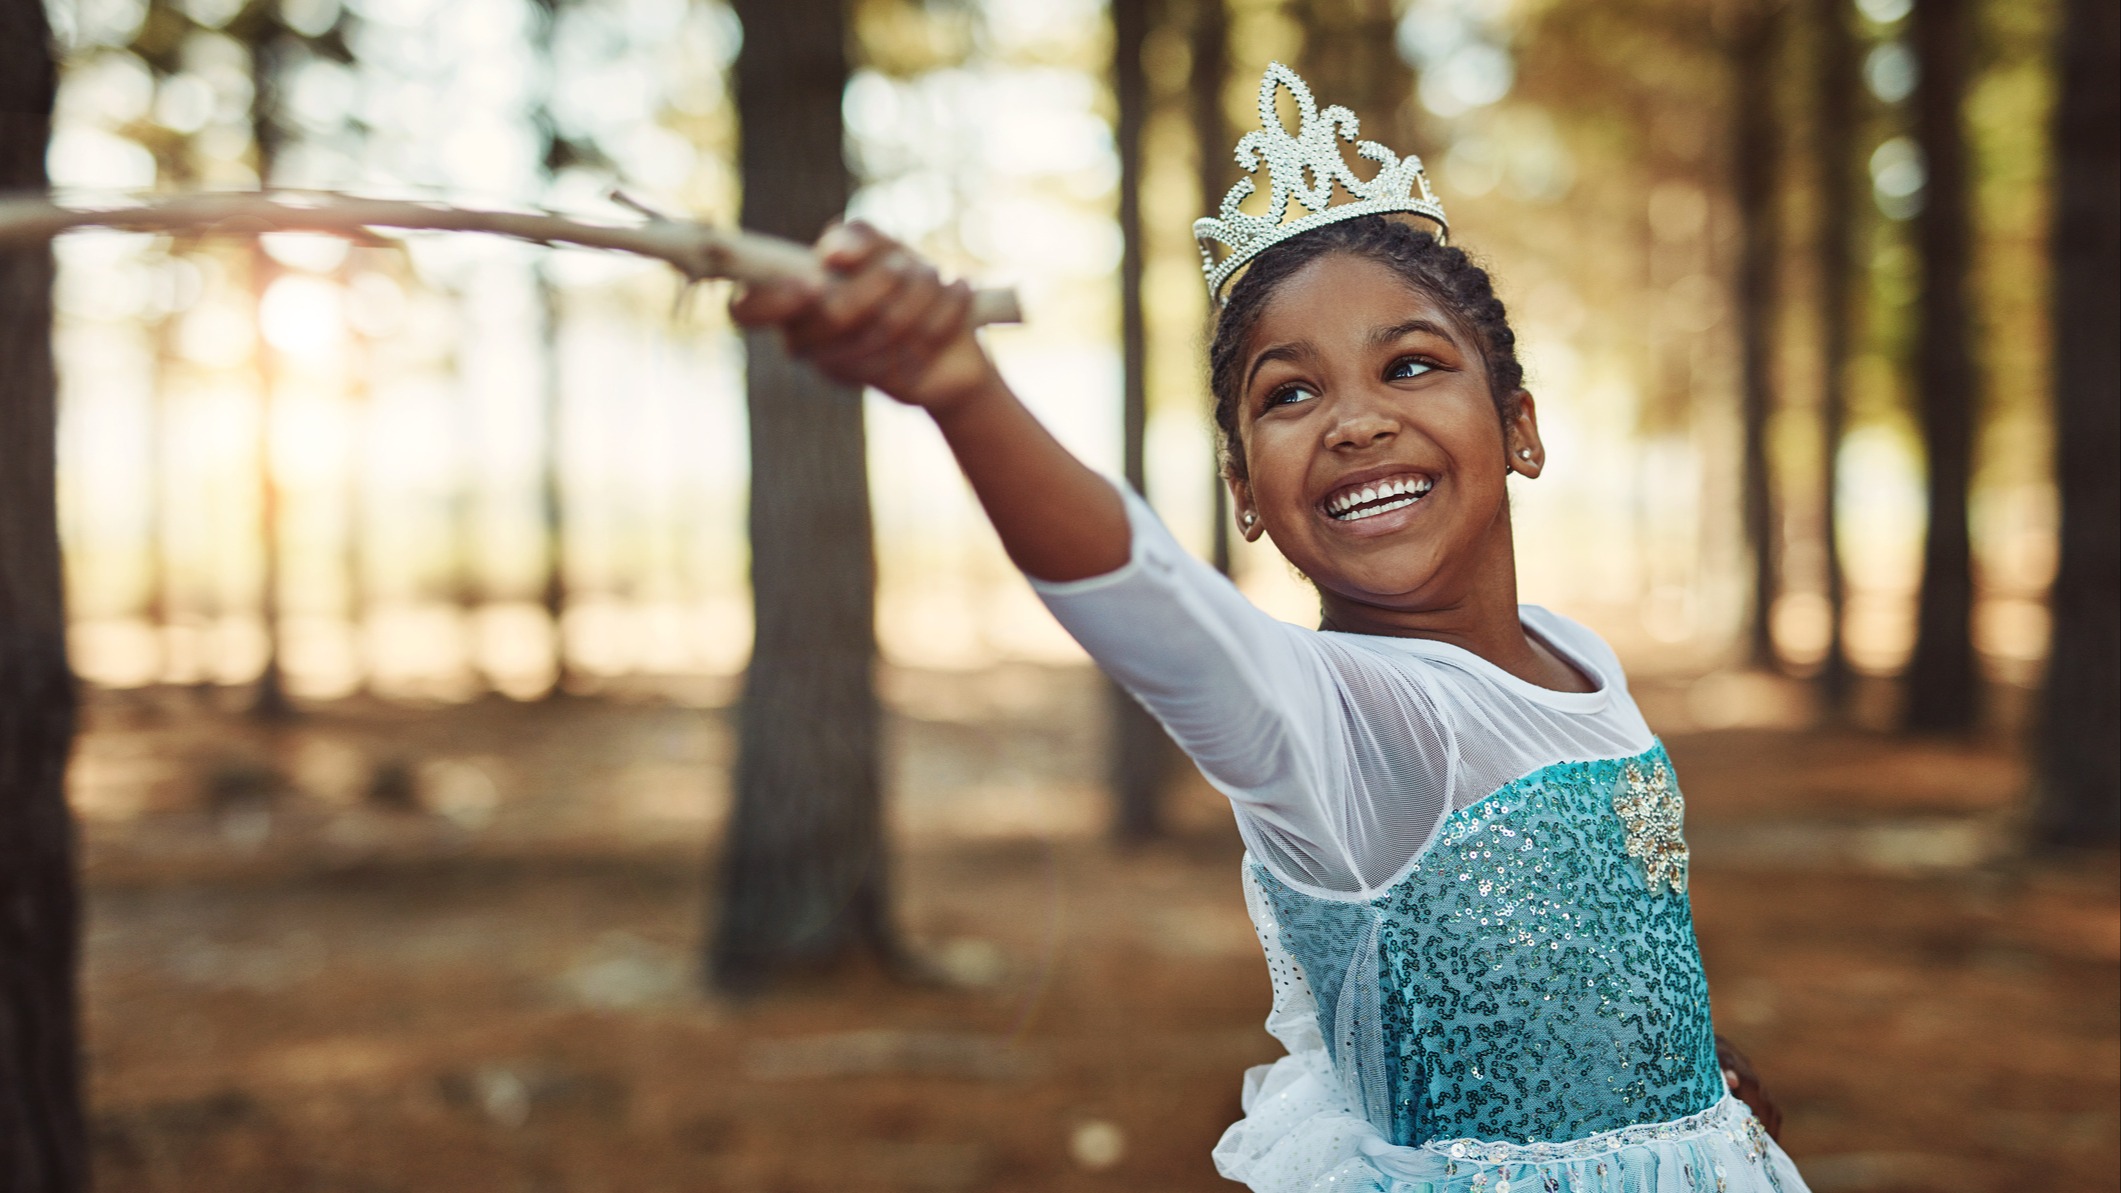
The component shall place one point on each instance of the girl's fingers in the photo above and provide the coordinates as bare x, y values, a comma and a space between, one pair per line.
902, 317
903, 335
879, 280
847, 307
846, 248
944, 320
763, 303
883, 317
932, 330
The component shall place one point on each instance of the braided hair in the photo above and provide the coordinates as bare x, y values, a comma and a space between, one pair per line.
1444, 274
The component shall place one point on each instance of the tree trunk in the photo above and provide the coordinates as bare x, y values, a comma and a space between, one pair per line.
2080, 748
804, 875
1141, 754
43, 1140
1942, 693
552, 492
1211, 137
1753, 186
269, 701
1349, 50
1834, 108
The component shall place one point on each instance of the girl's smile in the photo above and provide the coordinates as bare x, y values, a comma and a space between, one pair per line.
1363, 497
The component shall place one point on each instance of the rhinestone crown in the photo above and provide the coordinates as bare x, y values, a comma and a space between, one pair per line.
1398, 185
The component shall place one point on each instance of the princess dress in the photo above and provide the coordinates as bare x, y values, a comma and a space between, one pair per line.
1471, 893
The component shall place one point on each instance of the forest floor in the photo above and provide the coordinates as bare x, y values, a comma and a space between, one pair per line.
383, 948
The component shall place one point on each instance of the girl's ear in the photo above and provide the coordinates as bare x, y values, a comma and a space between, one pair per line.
1242, 509
1526, 455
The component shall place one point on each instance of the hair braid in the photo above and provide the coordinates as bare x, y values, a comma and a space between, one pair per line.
1443, 273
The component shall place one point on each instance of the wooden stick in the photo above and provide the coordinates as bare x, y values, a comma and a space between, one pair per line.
697, 250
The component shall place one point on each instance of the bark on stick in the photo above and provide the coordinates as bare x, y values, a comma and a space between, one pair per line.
699, 251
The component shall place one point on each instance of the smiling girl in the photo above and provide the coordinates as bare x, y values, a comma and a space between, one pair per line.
1463, 847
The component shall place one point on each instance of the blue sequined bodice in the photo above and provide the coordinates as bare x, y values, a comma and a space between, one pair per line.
1533, 976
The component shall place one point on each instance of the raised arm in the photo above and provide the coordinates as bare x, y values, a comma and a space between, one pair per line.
1248, 697
886, 320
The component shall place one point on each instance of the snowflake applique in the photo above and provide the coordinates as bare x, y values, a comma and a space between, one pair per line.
1650, 807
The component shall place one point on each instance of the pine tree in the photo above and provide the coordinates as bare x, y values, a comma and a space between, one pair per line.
1755, 38
804, 879
1835, 100
43, 1138
2080, 747
1141, 755
1210, 65
1942, 683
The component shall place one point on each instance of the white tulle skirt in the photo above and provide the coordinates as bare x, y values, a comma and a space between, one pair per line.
1298, 1136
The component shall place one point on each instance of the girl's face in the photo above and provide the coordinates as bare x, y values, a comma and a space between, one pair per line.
1375, 455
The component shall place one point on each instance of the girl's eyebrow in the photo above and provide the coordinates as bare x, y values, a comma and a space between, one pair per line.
1385, 335
1295, 351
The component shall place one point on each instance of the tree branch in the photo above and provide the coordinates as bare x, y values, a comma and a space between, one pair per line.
699, 251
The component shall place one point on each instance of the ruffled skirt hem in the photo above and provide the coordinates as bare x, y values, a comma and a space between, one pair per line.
1297, 1137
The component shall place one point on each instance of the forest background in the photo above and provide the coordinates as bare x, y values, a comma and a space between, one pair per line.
461, 566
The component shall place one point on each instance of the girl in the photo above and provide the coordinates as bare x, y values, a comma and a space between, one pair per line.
1463, 849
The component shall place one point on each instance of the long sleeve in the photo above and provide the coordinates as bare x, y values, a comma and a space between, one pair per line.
1341, 753
1245, 695
1336, 758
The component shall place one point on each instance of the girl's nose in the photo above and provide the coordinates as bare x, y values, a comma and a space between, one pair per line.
1360, 424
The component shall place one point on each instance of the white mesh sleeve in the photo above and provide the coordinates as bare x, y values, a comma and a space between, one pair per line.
1245, 695
1342, 753
1283, 720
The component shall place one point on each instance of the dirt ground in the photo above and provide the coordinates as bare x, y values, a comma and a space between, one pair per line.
452, 948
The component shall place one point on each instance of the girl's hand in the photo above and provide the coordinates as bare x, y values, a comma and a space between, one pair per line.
1744, 1084
882, 317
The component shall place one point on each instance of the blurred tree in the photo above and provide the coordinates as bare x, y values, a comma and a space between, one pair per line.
43, 1137
1836, 84
1755, 35
158, 42
260, 28
2080, 750
275, 47
1209, 68
552, 492
804, 879
1348, 52
1942, 685
1141, 753
557, 154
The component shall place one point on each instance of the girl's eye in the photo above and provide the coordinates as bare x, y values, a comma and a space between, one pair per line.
1407, 367
1289, 396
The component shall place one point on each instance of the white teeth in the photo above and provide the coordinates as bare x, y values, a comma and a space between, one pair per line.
1344, 506
1386, 508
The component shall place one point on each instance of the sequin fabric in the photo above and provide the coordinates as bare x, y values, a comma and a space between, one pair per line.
1533, 979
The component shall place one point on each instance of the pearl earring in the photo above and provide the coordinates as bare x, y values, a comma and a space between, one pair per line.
1524, 453
1249, 519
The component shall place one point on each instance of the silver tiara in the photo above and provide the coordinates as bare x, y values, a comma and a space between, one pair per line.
1399, 184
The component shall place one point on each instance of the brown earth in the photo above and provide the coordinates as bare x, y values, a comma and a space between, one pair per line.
452, 948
